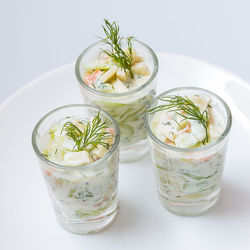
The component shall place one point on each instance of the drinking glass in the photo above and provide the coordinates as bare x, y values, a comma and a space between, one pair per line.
84, 197
189, 179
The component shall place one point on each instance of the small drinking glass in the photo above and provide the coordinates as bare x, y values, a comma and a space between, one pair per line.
189, 179
84, 197
127, 108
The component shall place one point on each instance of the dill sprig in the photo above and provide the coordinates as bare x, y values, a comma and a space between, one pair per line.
184, 107
93, 133
114, 40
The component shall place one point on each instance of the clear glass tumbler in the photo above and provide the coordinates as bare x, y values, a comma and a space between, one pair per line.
84, 197
189, 179
127, 108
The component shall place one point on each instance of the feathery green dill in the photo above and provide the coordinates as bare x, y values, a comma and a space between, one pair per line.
190, 111
93, 133
114, 41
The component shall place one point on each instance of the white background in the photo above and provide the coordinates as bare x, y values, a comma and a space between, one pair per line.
37, 36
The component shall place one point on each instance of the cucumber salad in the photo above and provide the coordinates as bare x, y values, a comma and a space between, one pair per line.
90, 190
116, 74
188, 123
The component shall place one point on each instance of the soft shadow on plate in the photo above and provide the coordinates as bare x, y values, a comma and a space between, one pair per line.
234, 200
126, 218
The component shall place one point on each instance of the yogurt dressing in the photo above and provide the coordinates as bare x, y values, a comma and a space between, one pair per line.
104, 75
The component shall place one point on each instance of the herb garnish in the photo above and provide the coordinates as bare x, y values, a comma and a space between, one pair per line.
113, 39
92, 135
190, 111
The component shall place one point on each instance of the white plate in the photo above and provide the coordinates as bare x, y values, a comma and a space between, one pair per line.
27, 220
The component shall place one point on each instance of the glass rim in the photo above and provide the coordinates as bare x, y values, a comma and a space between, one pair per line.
100, 93
92, 164
207, 146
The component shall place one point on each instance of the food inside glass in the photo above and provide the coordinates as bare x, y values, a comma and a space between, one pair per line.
188, 131
78, 150
119, 75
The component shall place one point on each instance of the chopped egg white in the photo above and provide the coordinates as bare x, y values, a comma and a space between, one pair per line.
201, 101
185, 140
140, 68
136, 58
119, 87
76, 158
123, 75
108, 74
197, 130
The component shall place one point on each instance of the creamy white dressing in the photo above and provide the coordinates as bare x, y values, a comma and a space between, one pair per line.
173, 129
105, 75
85, 193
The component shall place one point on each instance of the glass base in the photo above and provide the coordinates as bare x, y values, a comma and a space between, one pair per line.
133, 152
88, 226
195, 208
